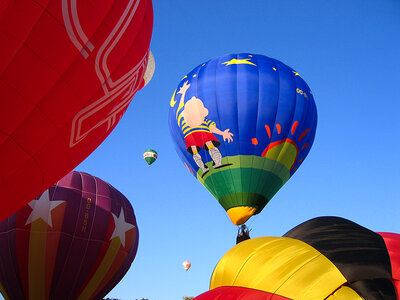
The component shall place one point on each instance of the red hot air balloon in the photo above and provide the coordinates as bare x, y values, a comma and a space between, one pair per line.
68, 71
75, 241
186, 265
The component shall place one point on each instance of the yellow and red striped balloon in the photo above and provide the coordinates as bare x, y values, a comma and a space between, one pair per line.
75, 241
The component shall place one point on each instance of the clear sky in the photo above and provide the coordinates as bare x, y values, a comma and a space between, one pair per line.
348, 53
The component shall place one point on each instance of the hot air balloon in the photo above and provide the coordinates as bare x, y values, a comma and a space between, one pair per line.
186, 265
75, 241
242, 124
323, 258
150, 156
68, 72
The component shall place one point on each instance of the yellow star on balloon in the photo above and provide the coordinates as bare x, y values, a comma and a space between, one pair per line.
235, 61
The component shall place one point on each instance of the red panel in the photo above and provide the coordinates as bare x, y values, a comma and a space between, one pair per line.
392, 241
238, 293
67, 75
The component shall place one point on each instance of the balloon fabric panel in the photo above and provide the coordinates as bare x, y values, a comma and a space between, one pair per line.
242, 124
392, 241
357, 252
75, 241
375, 289
238, 293
67, 75
283, 266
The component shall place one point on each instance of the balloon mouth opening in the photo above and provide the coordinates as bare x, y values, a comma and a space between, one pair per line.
240, 214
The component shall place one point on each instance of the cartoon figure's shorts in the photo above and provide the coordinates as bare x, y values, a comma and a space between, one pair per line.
199, 140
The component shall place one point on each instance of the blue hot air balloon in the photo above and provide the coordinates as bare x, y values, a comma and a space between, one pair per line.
243, 124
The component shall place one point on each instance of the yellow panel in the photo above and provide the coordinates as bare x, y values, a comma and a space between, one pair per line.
285, 153
345, 293
285, 266
240, 214
37, 260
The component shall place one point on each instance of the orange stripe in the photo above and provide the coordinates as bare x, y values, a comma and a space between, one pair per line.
53, 238
294, 127
303, 134
37, 260
112, 251
268, 130
118, 261
278, 127
130, 236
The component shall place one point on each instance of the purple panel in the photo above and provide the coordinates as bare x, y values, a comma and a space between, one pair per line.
87, 226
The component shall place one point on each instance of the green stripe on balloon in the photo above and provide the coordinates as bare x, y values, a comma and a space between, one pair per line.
242, 189
150, 156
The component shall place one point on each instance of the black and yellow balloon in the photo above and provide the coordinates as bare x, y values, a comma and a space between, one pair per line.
324, 258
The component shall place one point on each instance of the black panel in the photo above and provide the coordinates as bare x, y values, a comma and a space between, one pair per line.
378, 289
356, 251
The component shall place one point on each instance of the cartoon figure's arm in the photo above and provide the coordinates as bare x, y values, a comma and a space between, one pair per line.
225, 134
183, 90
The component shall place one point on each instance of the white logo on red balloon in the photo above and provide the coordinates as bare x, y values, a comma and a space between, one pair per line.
119, 92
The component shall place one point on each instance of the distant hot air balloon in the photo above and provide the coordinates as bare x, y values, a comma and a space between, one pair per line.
75, 241
323, 258
68, 72
150, 156
242, 124
186, 265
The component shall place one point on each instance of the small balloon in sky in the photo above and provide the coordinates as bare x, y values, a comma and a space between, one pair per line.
150, 156
186, 265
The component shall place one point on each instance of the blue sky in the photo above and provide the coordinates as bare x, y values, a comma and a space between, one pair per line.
347, 52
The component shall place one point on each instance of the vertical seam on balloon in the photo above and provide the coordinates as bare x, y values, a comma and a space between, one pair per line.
110, 191
311, 135
299, 128
293, 78
78, 288
249, 256
217, 114
276, 113
235, 195
67, 256
16, 271
298, 269
218, 63
49, 284
104, 287
259, 177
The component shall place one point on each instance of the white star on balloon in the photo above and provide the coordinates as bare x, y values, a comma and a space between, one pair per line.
121, 227
41, 209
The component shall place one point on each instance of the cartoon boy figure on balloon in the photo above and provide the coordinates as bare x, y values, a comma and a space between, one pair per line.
199, 132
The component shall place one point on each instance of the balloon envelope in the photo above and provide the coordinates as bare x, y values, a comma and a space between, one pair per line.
68, 72
150, 156
186, 265
323, 258
75, 241
242, 124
